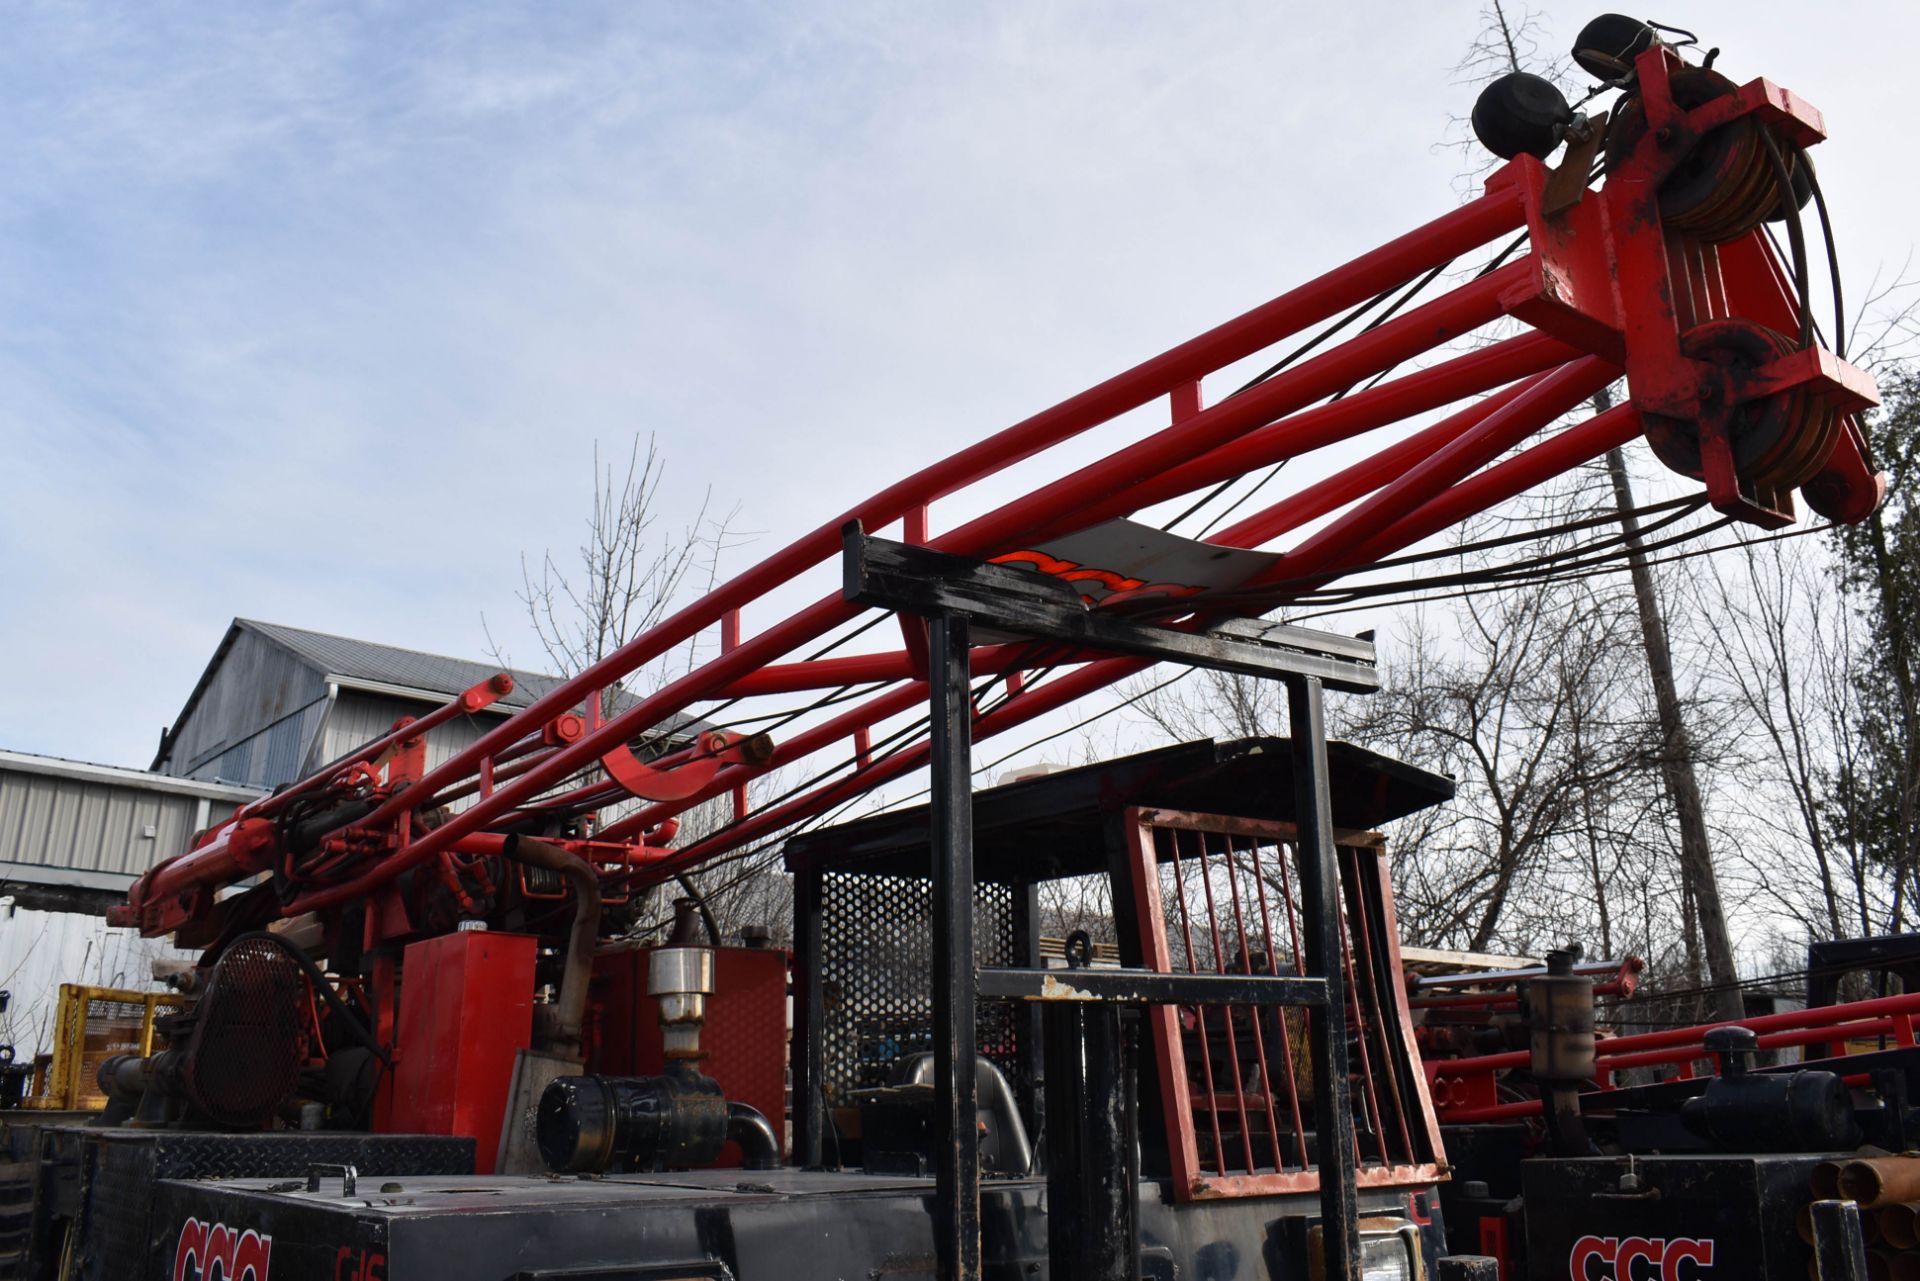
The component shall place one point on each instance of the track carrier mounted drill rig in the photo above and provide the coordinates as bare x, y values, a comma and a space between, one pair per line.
1239, 1095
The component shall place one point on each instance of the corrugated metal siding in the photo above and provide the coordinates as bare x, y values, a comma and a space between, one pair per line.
359, 718
270, 756
258, 685
94, 826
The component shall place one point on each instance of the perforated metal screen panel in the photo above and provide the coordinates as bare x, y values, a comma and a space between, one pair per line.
242, 1062
875, 972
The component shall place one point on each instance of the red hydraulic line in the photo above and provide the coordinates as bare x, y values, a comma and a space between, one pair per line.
1554, 395
1438, 241
1438, 321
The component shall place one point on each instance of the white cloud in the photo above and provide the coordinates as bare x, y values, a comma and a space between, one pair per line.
312, 313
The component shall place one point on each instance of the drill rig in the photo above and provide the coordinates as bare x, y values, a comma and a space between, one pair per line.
376, 935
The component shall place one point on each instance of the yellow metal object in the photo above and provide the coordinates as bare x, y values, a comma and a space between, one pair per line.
93, 1024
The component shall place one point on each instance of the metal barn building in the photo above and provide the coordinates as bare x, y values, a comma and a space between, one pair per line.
272, 705
277, 702
72, 838
74, 835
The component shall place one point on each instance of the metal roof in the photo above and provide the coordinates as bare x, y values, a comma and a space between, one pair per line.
396, 669
1055, 825
121, 776
386, 669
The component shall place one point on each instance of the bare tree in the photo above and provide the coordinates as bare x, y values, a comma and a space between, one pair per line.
1785, 651
1514, 706
627, 574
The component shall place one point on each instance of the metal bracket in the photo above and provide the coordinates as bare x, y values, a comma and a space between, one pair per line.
349, 1177
1839, 1249
917, 580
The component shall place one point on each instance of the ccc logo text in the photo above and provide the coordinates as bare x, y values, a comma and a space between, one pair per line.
216, 1252
1639, 1259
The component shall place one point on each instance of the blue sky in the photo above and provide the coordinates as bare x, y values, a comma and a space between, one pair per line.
314, 313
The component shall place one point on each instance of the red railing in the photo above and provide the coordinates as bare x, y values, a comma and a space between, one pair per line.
1604, 287
1467, 1090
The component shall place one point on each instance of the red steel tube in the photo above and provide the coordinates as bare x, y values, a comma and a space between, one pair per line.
1466, 309
1505, 480
1290, 437
1067, 688
1310, 429
1367, 475
862, 669
476, 698
218, 861
1821, 1016
1772, 1041
1058, 508
1092, 677
1500, 482
1438, 241
1032, 703
1552, 396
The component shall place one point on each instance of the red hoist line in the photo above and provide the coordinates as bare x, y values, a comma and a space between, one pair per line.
1661, 273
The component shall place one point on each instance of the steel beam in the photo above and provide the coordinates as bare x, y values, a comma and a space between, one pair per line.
956, 1042
915, 580
1327, 1029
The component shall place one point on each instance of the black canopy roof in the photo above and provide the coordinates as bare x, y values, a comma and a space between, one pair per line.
1042, 828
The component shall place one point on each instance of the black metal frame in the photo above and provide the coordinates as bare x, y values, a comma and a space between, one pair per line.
953, 594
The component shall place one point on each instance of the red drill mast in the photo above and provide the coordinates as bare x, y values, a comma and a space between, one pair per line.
1660, 272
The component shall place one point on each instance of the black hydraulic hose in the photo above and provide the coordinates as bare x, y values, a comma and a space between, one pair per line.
1833, 253
759, 1145
571, 1011
700, 901
1796, 234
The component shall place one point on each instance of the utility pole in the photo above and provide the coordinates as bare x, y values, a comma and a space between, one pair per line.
1676, 749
